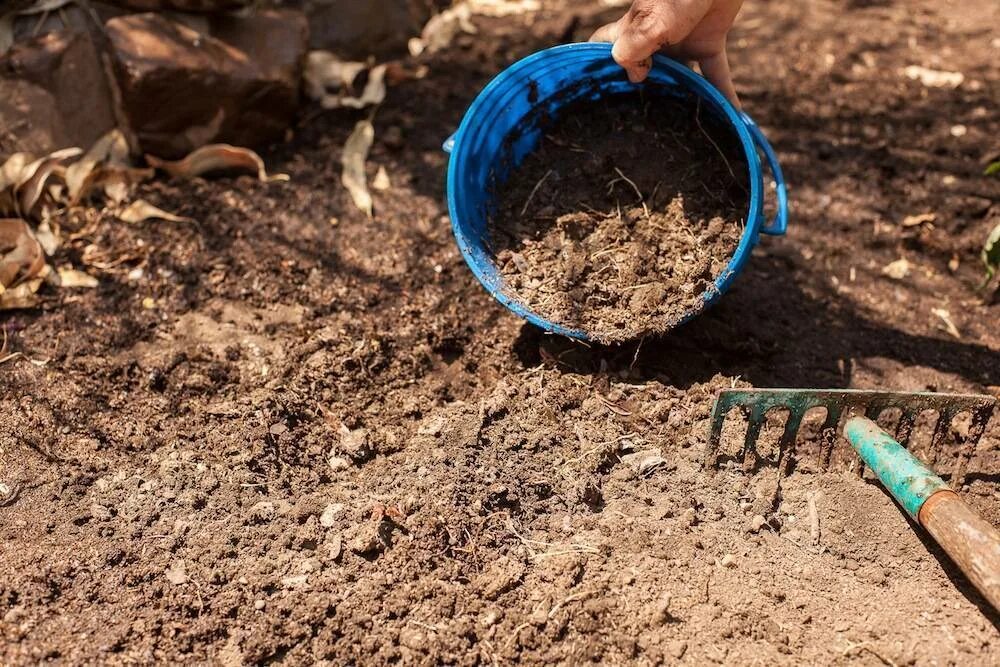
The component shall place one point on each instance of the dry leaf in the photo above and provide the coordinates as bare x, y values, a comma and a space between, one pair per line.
381, 180
21, 255
949, 326
112, 149
13, 167
897, 270
933, 78
353, 161
215, 157
6, 33
34, 177
69, 277
141, 210
442, 29
48, 237
330, 81
116, 181
21, 296
914, 220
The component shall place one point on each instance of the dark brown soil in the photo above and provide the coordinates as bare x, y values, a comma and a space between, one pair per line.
623, 217
293, 441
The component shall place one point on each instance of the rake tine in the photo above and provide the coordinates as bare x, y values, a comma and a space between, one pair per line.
756, 422
945, 416
829, 428
904, 429
980, 418
715, 434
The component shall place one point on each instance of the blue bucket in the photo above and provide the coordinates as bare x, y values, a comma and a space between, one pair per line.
500, 129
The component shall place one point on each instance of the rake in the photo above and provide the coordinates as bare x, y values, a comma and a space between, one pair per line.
839, 404
971, 542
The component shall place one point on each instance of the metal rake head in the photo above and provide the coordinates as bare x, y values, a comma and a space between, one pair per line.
839, 404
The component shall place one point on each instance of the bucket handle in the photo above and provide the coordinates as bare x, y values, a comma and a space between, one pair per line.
779, 224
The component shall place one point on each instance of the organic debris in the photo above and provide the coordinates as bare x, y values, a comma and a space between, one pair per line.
897, 270
949, 325
933, 78
916, 220
70, 277
141, 210
991, 253
442, 29
353, 161
330, 81
381, 180
21, 255
215, 158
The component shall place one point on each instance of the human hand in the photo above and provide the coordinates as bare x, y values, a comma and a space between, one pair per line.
683, 29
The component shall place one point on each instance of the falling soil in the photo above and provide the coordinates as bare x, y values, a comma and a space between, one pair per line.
623, 217
272, 439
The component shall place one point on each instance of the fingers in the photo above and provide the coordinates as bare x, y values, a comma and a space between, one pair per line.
716, 69
606, 33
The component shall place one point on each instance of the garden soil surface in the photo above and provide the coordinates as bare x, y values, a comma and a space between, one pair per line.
623, 217
303, 435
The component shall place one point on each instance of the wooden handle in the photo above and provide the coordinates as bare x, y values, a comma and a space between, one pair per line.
967, 538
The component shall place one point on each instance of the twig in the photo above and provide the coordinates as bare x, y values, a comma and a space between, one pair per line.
628, 180
813, 519
531, 196
566, 600
697, 120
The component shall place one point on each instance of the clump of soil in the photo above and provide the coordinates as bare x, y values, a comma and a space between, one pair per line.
623, 217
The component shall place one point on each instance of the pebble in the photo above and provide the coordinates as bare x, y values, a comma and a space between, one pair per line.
259, 605
757, 522
728, 560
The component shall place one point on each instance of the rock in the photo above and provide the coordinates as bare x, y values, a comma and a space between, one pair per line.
728, 560
274, 39
295, 581
756, 523
329, 516
181, 89
55, 94
355, 30
355, 444
259, 605
677, 648
193, 6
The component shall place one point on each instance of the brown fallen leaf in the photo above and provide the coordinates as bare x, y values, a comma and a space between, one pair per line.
35, 176
21, 296
21, 255
111, 149
116, 181
141, 210
353, 163
215, 157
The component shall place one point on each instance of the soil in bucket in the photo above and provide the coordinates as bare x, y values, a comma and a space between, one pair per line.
623, 217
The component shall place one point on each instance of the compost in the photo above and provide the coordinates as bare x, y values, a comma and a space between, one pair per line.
621, 220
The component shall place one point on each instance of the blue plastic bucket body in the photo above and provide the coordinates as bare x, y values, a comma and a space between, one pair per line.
501, 128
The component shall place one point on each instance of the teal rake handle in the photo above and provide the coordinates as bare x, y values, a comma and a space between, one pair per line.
909, 481
971, 542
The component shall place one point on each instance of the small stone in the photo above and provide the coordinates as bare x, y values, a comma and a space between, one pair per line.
355, 444
336, 547
489, 618
177, 573
756, 523
330, 512
295, 581
243, 580
728, 560
259, 605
